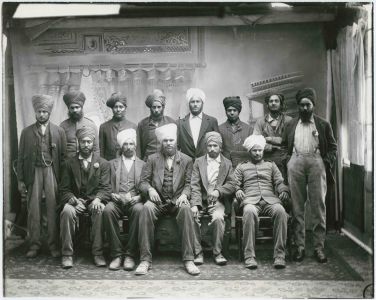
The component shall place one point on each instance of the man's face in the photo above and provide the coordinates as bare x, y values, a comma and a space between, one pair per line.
257, 152
213, 149
305, 109
129, 148
169, 146
42, 115
196, 105
274, 104
119, 110
156, 109
75, 111
85, 146
232, 114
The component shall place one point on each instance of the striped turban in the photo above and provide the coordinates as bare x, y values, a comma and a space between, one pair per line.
42, 102
156, 95
85, 132
116, 97
75, 97
213, 136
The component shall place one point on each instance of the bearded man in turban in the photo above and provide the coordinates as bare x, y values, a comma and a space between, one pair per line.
147, 140
85, 187
212, 186
109, 148
233, 131
165, 182
75, 102
256, 181
125, 200
40, 156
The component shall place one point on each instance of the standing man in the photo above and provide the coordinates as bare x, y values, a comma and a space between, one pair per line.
233, 131
125, 199
75, 102
271, 126
212, 187
165, 181
85, 187
148, 142
312, 151
109, 130
193, 127
40, 155
256, 183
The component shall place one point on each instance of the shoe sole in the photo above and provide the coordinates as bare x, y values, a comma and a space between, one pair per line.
67, 267
222, 263
114, 269
279, 267
198, 263
251, 267
128, 269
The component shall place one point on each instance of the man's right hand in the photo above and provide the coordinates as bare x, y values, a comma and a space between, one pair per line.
22, 188
115, 198
154, 197
194, 210
73, 201
240, 195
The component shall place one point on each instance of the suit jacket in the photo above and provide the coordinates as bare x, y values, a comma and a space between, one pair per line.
28, 150
327, 143
185, 140
153, 174
98, 183
116, 169
199, 183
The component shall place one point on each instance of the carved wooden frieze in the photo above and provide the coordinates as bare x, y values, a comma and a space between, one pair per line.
53, 37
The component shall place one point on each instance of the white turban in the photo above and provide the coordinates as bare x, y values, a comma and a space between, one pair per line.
195, 92
126, 134
253, 140
166, 132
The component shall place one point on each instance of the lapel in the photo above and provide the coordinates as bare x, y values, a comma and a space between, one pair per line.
117, 166
137, 170
203, 167
204, 126
221, 171
292, 132
320, 130
160, 167
35, 130
176, 171
76, 172
185, 125
92, 171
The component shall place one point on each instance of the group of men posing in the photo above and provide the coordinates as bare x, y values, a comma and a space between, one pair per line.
181, 168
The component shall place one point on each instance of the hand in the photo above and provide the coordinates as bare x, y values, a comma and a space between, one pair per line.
22, 188
240, 195
135, 200
154, 197
268, 148
194, 210
73, 201
213, 197
182, 200
115, 198
284, 196
268, 139
80, 207
97, 205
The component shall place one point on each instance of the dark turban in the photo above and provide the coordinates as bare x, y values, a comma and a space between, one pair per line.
76, 97
42, 102
85, 132
157, 95
309, 93
233, 101
116, 97
213, 136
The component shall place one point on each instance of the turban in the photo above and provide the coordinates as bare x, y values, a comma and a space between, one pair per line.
306, 93
195, 92
233, 101
253, 140
166, 132
116, 97
85, 132
156, 95
74, 98
42, 102
213, 136
126, 134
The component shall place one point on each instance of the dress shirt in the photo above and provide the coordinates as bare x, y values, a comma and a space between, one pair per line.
212, 170
128, 162
195, 124
85, 161
170, 160
273, 121
306, 139
43, 127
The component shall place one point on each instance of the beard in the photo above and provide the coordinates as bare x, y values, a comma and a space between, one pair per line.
75, 116
169, 151
213, 154
305, 116
128, 153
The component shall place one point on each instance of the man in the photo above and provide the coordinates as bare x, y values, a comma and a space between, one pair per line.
256, 181
212, 186
233, 131
165, 180
193, 127
125, 199
109, 130
310, 143
271, 127
40, 155
75, 102
85, 187
148, 142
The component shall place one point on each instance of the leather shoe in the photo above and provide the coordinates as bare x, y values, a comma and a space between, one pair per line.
299, 255
199, 259
279, 263
99, 261
320, 256
55, 253
250, 263
191, 268
220, 260
143, 268
32, 253
115, 264
129, 263
67, 262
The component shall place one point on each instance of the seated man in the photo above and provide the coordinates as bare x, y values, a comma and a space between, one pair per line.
85, 186
212, 186
126, 199
165, 180
256, 181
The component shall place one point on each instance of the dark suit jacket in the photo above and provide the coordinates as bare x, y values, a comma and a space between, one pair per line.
115, 173
185, 140
327, 143
153, 174
98, 184
28, 150
199, 183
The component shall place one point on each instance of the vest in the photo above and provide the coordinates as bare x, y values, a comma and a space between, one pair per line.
127, 180
167, 191
43, 155
84, 179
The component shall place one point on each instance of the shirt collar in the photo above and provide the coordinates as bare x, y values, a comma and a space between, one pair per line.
198, 116
87, 159
269, 118
209, 159
45, 124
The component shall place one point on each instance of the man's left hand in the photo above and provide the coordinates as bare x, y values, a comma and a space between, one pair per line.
97, 205
135, 200
182, 200
213, 197
284, 196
